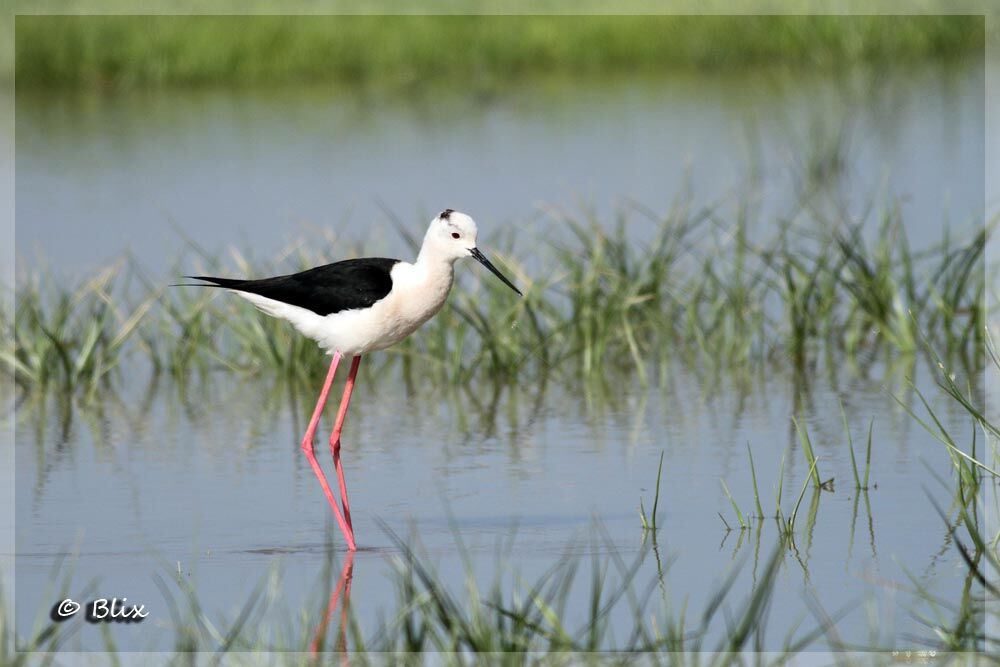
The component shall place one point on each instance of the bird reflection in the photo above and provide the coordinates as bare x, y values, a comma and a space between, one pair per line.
343, 588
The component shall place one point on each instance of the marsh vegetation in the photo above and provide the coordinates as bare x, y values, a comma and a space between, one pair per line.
817, 290
741, 407
483, 51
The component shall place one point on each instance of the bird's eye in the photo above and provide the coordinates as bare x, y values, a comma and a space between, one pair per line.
456, 235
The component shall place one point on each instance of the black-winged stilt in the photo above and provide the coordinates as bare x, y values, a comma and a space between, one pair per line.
358, 306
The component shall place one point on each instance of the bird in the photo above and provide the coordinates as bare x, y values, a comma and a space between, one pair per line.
356, 306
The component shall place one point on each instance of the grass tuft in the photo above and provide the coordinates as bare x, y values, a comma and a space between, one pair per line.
736, 508
604, 307
650, 524
807, 449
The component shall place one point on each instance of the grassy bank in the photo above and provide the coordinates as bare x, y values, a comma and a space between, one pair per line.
472, 51
700, 292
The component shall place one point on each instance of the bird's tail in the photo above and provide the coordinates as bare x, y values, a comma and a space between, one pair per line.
243, 288
211, 281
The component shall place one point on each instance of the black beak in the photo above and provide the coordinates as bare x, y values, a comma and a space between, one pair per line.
485, 262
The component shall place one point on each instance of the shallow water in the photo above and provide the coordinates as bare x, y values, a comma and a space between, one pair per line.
97, 175
213, 483
207, 480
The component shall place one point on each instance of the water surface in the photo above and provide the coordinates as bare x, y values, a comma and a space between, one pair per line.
206, 481
145, 172
213, 483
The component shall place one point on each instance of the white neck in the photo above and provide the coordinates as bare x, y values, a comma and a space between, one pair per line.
430, 255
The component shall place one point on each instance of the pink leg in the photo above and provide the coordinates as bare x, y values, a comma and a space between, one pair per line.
307, 447
321, 403
335, 436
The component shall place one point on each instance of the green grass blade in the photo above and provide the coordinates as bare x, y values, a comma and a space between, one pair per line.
803, 434
802, 493
850, 445
756, 492
736, 509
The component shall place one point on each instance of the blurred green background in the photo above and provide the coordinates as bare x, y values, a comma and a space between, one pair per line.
130, 51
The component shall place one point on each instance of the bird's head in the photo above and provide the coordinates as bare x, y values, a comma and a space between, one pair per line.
452, 236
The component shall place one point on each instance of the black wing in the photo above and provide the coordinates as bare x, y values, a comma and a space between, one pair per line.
352, 283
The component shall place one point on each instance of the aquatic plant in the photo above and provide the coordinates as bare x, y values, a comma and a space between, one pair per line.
602, 307
514, 616
511, 617
649, 524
